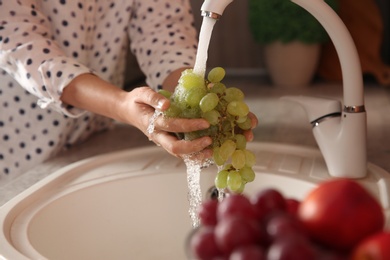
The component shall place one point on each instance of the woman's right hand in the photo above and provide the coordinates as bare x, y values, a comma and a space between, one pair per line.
140, 108
136, 108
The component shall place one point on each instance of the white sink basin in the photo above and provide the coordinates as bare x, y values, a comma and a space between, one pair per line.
133, 204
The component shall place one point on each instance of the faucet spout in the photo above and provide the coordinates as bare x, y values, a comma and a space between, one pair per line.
340, 137
214, 8
345, 48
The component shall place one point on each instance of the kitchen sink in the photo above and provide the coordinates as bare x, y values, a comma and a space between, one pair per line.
133, 204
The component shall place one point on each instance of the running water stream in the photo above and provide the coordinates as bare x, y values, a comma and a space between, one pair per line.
193, 163
194, 167
203, 45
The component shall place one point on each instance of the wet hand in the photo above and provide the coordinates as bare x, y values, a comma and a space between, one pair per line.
142, 104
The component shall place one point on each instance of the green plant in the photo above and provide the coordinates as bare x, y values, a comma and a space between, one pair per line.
285, 21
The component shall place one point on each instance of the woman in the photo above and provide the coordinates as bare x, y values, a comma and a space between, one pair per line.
63, 63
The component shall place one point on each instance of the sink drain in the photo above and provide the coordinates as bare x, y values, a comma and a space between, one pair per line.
213, 193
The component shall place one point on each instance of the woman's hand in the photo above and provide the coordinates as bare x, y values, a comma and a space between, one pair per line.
136, 108
141, 106
254, 122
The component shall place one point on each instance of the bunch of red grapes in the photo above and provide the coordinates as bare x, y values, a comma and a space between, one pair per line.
265, 227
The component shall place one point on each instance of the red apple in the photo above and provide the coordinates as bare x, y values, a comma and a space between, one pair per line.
340, 213
375, 247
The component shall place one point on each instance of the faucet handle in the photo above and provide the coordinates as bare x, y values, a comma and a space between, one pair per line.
316, 108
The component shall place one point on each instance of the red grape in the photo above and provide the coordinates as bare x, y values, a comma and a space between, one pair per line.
292, 206
268, 201
282, 225
250, 252
234, 231
203, 244
266, 227
291, 248
208, 212
236, 204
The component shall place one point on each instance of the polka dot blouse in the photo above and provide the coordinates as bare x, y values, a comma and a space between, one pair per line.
44, 44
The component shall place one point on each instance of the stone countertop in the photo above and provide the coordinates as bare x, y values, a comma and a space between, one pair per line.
279, 121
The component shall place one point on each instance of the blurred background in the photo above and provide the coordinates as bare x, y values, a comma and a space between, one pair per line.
234, 47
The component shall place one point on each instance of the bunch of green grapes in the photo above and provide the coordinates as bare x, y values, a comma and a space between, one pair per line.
226, 111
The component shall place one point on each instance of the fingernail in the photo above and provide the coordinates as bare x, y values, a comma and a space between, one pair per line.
207, 141
160, 104
204, 124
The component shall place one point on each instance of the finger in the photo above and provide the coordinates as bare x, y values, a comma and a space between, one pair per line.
150, 97
249, 135
180, 147
254, 120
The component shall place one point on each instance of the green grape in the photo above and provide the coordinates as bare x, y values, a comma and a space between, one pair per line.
179, 99
192, 135
216, 157
241, 189
165, 93
233, 94
222, 104
212, 117
194, 95
208, 102
190, 113
226, 126
246, 125
218, 88
234, 181
221, 179
227, 149
238, 108
247, 174
216, 74
224, 108
213, 131
250, 158
172, 111
240, 141
241, 119
189, 80
238, 159
228, 167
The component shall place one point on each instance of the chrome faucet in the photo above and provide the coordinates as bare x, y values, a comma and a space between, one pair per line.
340, 133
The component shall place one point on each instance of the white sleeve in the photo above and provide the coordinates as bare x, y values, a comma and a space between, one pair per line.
28, 54
163, 37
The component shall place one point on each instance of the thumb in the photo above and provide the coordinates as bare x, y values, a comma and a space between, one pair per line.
153, 99
161, 102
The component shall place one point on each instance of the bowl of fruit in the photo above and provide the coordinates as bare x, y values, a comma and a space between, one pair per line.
339, 219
